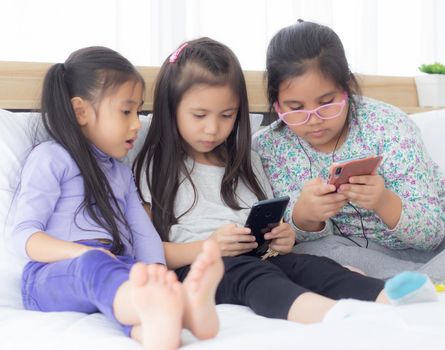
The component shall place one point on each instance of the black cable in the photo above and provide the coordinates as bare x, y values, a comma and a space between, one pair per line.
345, 236
307, 156
336, 143
349, 203
361, 222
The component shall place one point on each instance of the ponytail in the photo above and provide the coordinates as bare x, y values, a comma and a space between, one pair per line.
87, 73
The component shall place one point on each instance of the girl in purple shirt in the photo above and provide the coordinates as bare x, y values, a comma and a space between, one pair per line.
79, 219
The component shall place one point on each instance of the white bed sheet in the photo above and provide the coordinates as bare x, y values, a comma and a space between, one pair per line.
411, 327
407, 327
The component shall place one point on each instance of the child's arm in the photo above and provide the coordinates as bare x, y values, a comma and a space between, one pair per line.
147, 244
410, 183
44, 248
282, 238
232, 240
369, 192
181, 254
316, 204
178, 254
47, 166
299, 215
390, 208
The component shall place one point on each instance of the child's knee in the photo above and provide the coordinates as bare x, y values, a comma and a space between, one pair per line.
92, 262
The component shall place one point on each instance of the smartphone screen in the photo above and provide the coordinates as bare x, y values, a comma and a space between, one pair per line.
264, 216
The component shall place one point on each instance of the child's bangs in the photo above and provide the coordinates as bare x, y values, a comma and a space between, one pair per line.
108, 81
194, 74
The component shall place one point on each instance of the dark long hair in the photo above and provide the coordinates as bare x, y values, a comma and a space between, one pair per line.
90, 73
202, 61
304, 45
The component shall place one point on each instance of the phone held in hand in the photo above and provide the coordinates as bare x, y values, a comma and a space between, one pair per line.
340, 172
263, 217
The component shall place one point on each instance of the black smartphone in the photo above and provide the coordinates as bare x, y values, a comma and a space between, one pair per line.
263, 217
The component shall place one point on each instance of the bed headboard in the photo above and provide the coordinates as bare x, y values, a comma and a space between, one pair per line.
20, 84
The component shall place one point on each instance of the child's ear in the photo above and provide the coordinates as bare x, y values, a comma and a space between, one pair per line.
80, 109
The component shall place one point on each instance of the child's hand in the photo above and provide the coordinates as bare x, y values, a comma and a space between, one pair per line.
367, 191
282, 238
318, 202
234, 240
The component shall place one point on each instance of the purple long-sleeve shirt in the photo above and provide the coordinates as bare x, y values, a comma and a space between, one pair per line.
52, 189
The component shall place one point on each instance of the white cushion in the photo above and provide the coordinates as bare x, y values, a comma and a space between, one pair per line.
432, 128
18, 133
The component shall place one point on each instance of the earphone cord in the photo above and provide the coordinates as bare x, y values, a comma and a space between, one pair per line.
350, 204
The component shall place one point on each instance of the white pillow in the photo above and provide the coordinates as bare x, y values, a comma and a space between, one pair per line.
18, 133
255, 122
432, 128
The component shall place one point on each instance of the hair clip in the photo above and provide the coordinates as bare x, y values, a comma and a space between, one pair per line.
174, 56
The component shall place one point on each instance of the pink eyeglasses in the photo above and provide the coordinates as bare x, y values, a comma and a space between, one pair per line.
301, 116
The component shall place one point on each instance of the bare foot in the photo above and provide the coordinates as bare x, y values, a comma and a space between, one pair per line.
158, 299
200, 286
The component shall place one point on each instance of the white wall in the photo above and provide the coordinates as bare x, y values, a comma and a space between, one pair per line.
390, 37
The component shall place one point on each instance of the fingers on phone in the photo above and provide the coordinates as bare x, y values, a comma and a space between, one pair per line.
363, 180
334, 198
355, 180
243, 238
241, 230
246, 247
324, 189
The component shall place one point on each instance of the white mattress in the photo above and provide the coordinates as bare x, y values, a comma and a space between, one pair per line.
406, 327
409, 327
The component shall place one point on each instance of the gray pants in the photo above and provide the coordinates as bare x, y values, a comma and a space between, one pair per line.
376, 260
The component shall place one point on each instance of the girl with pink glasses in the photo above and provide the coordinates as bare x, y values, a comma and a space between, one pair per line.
382, 223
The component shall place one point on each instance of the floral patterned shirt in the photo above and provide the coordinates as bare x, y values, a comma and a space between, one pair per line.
407, 169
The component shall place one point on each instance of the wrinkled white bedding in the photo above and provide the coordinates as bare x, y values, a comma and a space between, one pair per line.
409, 327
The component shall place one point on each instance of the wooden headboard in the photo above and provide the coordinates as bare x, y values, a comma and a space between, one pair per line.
20, 84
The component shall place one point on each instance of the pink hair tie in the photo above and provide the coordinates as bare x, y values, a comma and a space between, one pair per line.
174, 56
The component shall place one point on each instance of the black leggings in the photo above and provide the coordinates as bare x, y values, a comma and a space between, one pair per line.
270, 287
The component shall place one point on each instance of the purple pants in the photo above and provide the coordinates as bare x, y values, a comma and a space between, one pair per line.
86, 284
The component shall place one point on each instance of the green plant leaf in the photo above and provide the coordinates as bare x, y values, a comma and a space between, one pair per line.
434, 68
